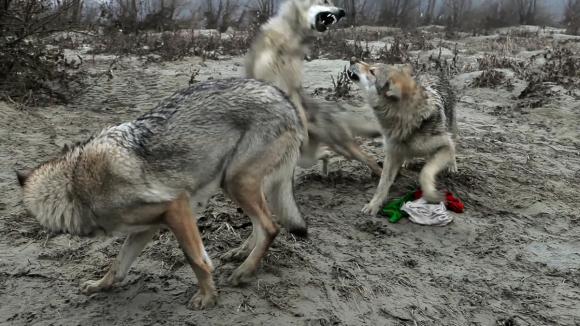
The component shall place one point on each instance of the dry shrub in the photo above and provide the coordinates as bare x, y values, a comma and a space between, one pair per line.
535, 95
341, 85
334, 45
420, 43
449, 66
562, 66
341, 88
398, 52
492, 61
490, 78
31, 72
174, 45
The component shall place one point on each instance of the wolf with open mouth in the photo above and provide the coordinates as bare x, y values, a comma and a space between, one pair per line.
417, 117
277, 56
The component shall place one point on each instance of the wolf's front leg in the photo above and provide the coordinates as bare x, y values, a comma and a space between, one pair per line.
132, 247
391, 166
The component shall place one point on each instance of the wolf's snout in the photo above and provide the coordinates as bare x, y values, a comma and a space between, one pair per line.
341, 13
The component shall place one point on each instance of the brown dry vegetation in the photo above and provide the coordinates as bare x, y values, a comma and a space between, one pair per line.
33, 73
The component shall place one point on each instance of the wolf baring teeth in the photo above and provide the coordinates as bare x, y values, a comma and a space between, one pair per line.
277, 56
417, 118
322, 17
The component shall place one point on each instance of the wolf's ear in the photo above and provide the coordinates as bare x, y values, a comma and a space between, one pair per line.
22, 176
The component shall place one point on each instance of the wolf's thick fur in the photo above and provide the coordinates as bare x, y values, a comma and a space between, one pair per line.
277, 56
417, 117
242, 135
336, 126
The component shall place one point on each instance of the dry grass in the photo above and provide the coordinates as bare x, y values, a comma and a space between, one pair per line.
490, 78
174, 45
341, 85
494, 61
33, 74
397, 52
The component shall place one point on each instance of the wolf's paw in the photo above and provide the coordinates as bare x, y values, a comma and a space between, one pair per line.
371, 208
433, 197
90, 287
452, 168
241, 276
204, 300
236, 254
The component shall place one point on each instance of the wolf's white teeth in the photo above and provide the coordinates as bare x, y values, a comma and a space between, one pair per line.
334, 20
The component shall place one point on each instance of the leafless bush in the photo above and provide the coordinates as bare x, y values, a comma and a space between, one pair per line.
30, 72
341, 85
397, 52
37, 75
174, 45
535, 95
562, 66
489, 78
336, 45
419, 42
450, 66
492, 61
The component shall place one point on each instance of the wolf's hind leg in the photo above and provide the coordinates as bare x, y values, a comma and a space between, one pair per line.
132, 247
246, 190
181, 221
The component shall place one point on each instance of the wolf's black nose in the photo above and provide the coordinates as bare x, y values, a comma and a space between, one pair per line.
341, 13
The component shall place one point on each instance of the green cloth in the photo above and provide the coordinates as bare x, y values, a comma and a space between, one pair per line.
393, 208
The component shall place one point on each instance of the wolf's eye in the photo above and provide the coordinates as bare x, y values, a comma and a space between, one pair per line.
372, 71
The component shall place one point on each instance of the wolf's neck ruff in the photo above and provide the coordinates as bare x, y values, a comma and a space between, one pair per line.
398, 122
51, 195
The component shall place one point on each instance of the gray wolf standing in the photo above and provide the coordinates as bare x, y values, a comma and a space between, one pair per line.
277, 56
417, 119
241, 135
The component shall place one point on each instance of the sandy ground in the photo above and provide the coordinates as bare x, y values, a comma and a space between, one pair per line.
512, 258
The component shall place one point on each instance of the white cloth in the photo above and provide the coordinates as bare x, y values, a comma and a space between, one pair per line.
421, 212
